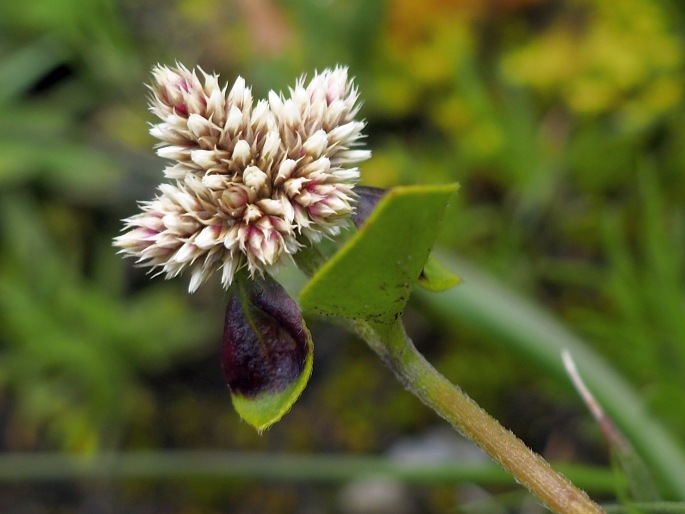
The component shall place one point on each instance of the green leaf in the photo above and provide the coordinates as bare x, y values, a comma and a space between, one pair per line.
25, 66
639, 483
436, 277
265, 409
372, 276
267, 350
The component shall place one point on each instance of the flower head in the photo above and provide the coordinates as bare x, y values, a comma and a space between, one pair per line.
251, 183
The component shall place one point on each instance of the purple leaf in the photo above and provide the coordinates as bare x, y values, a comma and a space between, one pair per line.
266, 345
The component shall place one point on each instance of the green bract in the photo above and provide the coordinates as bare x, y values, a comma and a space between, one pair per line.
372, 276
267, 350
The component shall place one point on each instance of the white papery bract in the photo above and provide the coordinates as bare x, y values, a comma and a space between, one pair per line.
251, 183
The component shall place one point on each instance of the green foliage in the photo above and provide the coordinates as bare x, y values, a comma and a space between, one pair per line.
524, 328
372, 276
74, 343
436, 277
72, 347
561, 121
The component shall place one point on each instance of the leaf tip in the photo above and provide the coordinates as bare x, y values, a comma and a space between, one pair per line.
436, 277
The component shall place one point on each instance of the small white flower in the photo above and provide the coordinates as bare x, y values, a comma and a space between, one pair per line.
250, 185
235, 120
316, 145
242, 152
254, 178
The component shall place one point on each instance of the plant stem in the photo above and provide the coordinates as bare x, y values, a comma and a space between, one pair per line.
521, 327
218, 465
554, 490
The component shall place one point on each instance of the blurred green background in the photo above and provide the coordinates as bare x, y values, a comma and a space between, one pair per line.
561, 120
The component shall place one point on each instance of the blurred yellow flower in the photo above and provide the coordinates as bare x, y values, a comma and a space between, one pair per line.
607, 62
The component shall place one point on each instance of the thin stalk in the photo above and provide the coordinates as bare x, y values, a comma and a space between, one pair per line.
518, 325
554, 490
282, 468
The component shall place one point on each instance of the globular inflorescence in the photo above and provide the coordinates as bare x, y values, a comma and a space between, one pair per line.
249, 183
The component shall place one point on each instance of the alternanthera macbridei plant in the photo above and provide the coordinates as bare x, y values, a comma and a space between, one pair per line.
253, 185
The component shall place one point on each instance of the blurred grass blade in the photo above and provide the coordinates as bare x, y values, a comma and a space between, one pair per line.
288, 468
23, 68
647, 508
640, 486
519, 325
